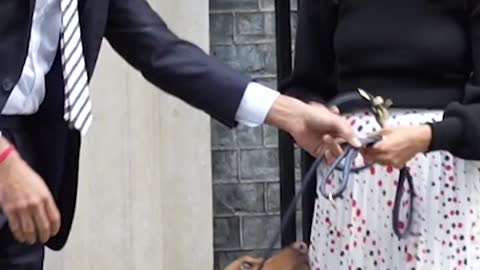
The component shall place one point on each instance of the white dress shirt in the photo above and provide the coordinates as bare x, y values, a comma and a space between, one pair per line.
29, 91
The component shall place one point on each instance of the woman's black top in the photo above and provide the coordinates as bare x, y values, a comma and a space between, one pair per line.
419, 53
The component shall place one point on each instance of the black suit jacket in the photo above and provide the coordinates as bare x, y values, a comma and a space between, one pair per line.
142, 38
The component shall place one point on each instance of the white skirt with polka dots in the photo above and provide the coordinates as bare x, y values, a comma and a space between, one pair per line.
358, 234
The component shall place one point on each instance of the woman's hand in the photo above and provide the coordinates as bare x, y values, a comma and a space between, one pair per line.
399, 145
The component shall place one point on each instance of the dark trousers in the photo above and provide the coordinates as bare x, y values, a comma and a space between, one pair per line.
14, 255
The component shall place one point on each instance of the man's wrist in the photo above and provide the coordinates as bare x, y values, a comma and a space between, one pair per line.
7, 151
287, 114
4, 143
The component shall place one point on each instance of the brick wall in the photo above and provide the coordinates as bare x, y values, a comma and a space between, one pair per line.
245, 160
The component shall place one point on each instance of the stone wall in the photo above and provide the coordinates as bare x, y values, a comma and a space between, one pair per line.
245, 160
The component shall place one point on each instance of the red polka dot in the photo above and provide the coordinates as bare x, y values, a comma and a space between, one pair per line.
374, 242
451, 178
359, 229
358, 213
372, 170
353, 122
389, 169
472, 237
380, 183
409, 257
389, 203
448, 167
347, 247
354, 203
460, 225
401, 225
327, 220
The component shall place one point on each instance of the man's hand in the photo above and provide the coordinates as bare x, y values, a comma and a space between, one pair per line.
399, 145
26, 201
308, 124
332, 149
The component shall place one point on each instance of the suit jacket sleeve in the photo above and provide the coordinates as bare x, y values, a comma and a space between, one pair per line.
313, 77
175, 65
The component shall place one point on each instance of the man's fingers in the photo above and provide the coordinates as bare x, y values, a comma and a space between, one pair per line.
15, 226
317, 152
333, 146
329, 158
327, 139
27, 225
336, 149
348, 135
335, 109
42, 223
53, 217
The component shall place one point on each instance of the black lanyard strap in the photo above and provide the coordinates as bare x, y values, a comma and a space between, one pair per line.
396, 223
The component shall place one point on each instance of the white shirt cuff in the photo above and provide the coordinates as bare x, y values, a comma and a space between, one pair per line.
255, 105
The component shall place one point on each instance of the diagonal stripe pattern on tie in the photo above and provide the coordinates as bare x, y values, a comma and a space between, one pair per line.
78, 107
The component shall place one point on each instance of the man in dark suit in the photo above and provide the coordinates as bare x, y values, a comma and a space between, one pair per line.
48, 50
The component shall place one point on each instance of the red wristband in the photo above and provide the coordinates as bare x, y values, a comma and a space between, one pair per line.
6, 152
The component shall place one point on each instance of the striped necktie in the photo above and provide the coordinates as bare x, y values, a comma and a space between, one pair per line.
78, 107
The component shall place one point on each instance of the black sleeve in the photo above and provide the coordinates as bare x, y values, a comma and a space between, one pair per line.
459, 132
313, 77
176, 66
